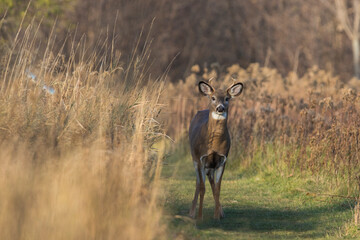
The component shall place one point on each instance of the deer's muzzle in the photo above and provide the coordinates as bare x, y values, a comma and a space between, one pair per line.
220, 109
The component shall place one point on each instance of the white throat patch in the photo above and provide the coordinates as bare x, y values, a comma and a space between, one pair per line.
216, 116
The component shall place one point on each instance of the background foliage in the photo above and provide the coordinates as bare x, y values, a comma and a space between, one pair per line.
287, 35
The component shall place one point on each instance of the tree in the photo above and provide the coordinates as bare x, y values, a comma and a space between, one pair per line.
348, 15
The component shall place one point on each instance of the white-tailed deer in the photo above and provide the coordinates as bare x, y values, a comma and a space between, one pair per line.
210, 143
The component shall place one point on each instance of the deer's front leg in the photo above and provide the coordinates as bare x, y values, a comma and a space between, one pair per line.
194, 202
219, 213
202, 175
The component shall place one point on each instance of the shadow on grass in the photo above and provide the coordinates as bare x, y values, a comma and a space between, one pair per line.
254, 216
306, 222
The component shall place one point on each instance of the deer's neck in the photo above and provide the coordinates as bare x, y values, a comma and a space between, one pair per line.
217, 125
218, 136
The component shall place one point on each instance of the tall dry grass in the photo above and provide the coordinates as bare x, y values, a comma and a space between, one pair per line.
75, 138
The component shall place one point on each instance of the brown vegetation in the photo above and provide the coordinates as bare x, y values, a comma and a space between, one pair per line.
285, 35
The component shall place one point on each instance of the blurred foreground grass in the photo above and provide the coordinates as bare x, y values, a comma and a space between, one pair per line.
75, 139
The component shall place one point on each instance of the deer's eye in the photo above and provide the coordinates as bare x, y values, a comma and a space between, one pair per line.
227, 99
213, 98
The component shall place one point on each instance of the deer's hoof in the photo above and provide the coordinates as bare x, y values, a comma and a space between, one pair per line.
219, 214
222, 214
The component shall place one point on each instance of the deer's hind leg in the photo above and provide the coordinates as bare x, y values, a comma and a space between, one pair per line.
211, 180
219, 213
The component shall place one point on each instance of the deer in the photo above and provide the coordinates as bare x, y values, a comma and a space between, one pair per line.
210, 143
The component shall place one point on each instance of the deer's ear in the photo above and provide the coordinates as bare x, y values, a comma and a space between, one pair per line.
205, 88
235, 89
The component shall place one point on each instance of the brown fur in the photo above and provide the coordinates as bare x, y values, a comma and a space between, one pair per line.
217, 138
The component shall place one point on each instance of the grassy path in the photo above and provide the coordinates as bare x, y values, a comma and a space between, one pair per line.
256, 207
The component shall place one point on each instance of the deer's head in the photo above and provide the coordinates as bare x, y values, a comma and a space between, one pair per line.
219, 99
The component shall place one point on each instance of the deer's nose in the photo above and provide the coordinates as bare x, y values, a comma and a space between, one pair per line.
220, 108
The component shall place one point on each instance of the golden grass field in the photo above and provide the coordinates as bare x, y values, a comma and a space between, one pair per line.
83, 139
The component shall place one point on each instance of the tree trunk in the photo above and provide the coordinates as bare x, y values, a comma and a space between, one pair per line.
355, 50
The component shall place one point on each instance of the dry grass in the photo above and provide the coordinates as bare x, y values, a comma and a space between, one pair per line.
77, 163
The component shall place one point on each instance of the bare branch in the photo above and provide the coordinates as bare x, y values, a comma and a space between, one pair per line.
328, 4
356, 6
343, 17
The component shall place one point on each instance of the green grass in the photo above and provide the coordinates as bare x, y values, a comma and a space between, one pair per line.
256, 206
